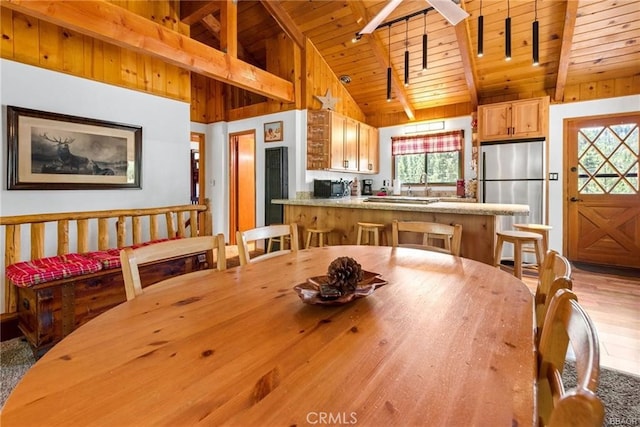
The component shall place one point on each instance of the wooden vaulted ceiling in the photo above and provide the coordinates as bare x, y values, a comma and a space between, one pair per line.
581, 42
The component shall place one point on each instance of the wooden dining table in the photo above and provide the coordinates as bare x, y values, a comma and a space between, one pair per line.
447, 341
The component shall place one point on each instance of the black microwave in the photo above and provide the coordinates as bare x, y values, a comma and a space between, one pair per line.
326, 188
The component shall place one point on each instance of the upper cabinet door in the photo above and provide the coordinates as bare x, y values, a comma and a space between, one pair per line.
513, 120
527, 119
495, 121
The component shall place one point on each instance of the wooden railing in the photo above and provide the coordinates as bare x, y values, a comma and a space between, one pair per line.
92, 230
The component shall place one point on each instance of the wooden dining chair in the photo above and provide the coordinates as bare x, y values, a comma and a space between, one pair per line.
449, 235
131, 259
567, 322
268, 232
554, 274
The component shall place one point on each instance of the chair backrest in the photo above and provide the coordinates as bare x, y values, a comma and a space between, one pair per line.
554, 267
267, 232
449, 235
567, 322
131, 259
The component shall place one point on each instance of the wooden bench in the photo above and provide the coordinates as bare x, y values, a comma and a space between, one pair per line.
49, 311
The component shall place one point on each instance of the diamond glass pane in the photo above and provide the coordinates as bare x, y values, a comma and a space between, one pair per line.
623, 158
623, 130
607, 142
622, 188
635, 180
591, 133
633, 142
592, 188
591, 160
583, 144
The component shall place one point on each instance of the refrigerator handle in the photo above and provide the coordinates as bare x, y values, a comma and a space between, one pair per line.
484, 176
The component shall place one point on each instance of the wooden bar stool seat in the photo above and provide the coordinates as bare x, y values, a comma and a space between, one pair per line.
322, 233
371, 229
541, 229
518, 239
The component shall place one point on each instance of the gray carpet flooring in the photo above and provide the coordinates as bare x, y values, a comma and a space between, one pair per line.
619, 391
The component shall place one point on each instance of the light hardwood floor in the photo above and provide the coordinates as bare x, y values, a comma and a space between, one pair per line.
612, 300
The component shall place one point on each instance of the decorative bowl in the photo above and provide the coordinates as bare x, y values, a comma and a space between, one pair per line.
309, 292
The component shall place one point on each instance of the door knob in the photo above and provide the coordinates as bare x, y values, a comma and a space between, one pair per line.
575, 199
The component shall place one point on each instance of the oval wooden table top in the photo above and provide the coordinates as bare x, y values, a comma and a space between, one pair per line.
447, 342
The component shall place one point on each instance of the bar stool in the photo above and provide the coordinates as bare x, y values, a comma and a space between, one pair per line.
369, 228
541, 229
518, 239
322, 233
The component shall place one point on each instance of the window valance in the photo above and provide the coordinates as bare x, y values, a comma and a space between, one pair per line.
440, 142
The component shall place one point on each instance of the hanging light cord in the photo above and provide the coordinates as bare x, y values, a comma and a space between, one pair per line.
535, 16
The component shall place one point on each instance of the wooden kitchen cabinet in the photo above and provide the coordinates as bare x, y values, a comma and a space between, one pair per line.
513, 120
332, 141
344, 143
368, 149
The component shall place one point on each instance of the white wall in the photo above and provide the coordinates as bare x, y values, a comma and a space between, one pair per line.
217, 160
558, 113
165, 141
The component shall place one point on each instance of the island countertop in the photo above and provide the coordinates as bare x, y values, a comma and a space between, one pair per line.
464, 208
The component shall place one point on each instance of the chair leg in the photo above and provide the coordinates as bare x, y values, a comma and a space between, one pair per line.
359, 239
376, 237
321, 239
308, 244
498, 252
517, 259
539, 254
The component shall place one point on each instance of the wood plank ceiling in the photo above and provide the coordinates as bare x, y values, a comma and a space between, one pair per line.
581, 42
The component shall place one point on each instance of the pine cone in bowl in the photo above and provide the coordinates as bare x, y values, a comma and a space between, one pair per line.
344, 273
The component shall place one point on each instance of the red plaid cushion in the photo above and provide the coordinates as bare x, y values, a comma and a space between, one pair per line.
29, 273
109, 258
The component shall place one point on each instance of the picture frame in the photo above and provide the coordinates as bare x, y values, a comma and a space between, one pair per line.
51, 151
273, 131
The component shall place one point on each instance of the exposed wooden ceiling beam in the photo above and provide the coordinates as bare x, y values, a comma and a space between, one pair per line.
360, 13
229, 33
565, 48
192, 11
113, 24
285, 22
214, 27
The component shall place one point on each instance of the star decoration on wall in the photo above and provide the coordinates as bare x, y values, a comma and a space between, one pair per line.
328, 101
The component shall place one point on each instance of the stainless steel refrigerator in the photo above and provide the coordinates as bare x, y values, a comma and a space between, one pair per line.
513, 172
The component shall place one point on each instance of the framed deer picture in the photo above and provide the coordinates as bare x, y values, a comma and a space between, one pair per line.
49, 151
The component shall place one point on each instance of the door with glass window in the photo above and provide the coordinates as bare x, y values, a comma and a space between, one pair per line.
602, 198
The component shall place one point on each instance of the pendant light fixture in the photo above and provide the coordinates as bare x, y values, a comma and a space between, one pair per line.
406, 53
536, 52
389, 69
480, 33
507, 35
424, 43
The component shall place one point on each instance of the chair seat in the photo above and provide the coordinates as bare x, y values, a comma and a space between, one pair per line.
541, 229
322, 233
518, 238
370, 228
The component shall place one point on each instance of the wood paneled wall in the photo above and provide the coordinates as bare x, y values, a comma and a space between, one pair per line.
319, 78
31, 41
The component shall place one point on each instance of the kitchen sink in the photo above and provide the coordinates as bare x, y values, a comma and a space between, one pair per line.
402, 199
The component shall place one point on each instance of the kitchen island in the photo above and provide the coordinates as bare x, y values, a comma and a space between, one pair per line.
478, 220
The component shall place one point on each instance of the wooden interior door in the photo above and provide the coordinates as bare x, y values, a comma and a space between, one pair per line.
602, 211
242, 183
